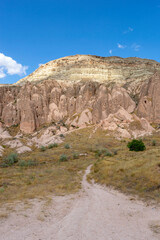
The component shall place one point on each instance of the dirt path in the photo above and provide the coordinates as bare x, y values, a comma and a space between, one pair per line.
96, 213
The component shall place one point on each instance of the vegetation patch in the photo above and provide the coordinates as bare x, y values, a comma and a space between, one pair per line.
63, 158
67, 146
43, 148
132, 172
43, 173
136, 145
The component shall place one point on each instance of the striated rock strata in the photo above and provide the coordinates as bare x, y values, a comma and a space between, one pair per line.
82, 90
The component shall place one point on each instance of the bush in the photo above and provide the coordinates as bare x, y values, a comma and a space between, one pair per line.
61, 135
63, 158
136, 145
75, 155
43, 148
29, 163
115, 152
154, 143
67, 146
4, 165
52, 145
11, 159
98, 153
108, 153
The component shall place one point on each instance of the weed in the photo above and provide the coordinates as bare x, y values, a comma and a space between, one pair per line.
115, 152
75, 155
43, 148
61, 135
108, 153
63, 158
10, 160
67, 146
29, 163
154, 143
2, 189
52, 145
98, 153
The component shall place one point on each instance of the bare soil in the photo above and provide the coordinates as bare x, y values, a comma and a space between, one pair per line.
95, 213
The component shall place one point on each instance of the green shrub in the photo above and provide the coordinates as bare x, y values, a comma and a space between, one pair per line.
29, 163
52, 145
2, 189
98, 153
67, 146
75, 155
108, 153
154, 143
43, 148
63, 158
61, 135
11, 159
4, 165
115, 151
136, 145
55, 145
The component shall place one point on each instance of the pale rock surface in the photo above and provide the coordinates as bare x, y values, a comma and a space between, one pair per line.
4, 134
82, 119
64, 89
1, 151
23, 149
47, 137
14, 143
125, 125
18, 146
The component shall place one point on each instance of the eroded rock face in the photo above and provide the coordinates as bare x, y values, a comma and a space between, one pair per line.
82, 90
35, 105
126, 125
149, 104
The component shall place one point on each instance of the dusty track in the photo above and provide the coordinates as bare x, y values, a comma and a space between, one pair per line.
96, 213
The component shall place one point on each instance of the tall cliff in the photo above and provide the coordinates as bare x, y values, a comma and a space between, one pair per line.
62, 88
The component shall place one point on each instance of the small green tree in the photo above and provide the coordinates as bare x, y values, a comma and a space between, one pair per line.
136, 145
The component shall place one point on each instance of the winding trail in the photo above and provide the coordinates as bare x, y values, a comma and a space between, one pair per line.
95, 213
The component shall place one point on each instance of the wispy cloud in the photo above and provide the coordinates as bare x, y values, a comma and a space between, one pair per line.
136, 47
10, 66
121, 46
110, 51
128, 30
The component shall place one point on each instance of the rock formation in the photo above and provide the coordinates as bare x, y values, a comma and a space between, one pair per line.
82, 90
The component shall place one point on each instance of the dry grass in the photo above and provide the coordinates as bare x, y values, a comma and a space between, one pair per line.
155, 227
136, 173
131, 172
50, 176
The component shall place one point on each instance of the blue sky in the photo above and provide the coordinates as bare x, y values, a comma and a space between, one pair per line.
38, 31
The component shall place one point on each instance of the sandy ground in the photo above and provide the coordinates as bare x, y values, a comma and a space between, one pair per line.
96, 213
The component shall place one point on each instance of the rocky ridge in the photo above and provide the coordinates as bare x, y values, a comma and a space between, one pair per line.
83, 90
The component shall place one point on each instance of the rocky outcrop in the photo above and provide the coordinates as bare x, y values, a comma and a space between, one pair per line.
81, 90
32, 105
149, 104
125, 125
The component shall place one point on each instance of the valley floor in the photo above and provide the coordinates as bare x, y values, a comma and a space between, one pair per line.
95, 213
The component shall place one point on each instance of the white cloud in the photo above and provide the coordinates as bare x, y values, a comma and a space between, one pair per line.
128, 30
136, 47
121, 46
10, 66
2, 74
110, 51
